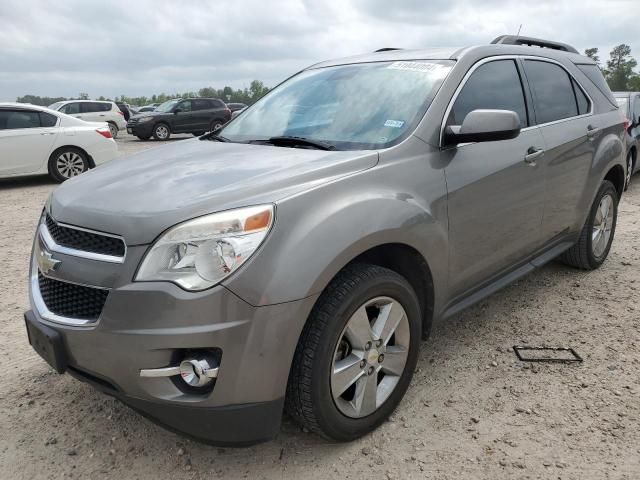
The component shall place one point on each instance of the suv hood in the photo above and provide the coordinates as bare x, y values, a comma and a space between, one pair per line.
142, 195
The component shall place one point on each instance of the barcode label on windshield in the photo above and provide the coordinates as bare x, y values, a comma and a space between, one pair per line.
415, 66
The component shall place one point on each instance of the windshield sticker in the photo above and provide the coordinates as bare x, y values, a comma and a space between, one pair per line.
394, 123
416, 66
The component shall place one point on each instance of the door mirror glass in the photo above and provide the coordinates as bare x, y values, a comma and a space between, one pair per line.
484, 126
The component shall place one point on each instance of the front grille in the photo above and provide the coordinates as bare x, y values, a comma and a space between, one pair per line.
86, 241
70, 300
132, 122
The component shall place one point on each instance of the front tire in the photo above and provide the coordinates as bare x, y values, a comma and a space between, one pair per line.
66, 163
594, 243
356, 354
161, 132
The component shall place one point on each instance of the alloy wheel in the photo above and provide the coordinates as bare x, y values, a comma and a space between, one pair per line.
602, 225
70, 164
370, 357
114, 130
162, 132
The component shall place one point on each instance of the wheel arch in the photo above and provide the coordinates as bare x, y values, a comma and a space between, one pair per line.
92, 163
616, 176
410, 264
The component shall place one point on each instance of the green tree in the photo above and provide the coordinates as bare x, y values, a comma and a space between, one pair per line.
620, 68
592, 53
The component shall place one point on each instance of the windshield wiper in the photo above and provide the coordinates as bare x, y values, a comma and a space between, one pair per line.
286, 140
215, 137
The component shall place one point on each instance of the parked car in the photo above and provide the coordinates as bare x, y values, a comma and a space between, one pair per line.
126, 110
188, 115
629, 103
295, 258
235, 113
234, 107
146, 108
94, 111
35, 140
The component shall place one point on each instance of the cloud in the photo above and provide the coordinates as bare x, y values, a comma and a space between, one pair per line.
142, 47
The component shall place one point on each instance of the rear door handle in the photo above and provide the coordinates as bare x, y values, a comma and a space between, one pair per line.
533, 154
592, 131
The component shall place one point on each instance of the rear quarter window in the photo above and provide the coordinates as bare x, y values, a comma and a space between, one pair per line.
594, 74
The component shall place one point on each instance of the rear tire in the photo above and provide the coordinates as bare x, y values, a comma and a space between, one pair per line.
161, 132
114, 129
216, 125
594, 243
326, 396
627, 180
66, 163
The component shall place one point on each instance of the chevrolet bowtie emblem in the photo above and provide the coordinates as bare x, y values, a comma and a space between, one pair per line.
46, 262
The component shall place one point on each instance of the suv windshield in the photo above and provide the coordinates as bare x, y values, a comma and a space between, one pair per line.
357, 106
167, 106
55, 106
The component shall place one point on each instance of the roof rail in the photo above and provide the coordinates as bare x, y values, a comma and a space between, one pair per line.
386, 49
533, 42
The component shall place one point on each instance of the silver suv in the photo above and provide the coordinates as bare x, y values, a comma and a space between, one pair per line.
294, 259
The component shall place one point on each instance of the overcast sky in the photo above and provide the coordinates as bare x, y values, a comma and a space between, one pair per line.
139, 47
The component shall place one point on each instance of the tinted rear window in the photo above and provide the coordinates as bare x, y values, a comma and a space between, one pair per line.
594, 74
553, 92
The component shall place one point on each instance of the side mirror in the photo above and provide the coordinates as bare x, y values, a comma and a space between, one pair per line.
176, 111
484, 126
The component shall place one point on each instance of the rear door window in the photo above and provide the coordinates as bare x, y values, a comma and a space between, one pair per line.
553, 92
89, 107
201, 105
493, 85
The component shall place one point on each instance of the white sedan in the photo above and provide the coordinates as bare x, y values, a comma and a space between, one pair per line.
35, 140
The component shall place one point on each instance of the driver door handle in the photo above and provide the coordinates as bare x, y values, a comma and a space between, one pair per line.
533, 154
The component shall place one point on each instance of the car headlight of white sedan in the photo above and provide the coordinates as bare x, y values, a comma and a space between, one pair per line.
200, 253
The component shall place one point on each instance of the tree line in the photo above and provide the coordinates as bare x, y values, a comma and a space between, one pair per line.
247, 95
619, 73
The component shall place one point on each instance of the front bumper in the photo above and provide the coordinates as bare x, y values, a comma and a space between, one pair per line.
147, 325
144, 129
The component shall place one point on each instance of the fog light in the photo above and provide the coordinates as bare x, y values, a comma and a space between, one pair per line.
197, 373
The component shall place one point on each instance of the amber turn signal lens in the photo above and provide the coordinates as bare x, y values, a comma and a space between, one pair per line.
258, 221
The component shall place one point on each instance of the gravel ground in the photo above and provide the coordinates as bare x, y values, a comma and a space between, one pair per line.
473, 410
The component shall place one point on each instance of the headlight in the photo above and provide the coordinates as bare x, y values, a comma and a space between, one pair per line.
145, 119
199, 253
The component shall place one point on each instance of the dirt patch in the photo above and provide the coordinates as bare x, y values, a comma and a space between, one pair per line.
473, 410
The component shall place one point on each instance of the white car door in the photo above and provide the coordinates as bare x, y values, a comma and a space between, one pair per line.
25, 145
